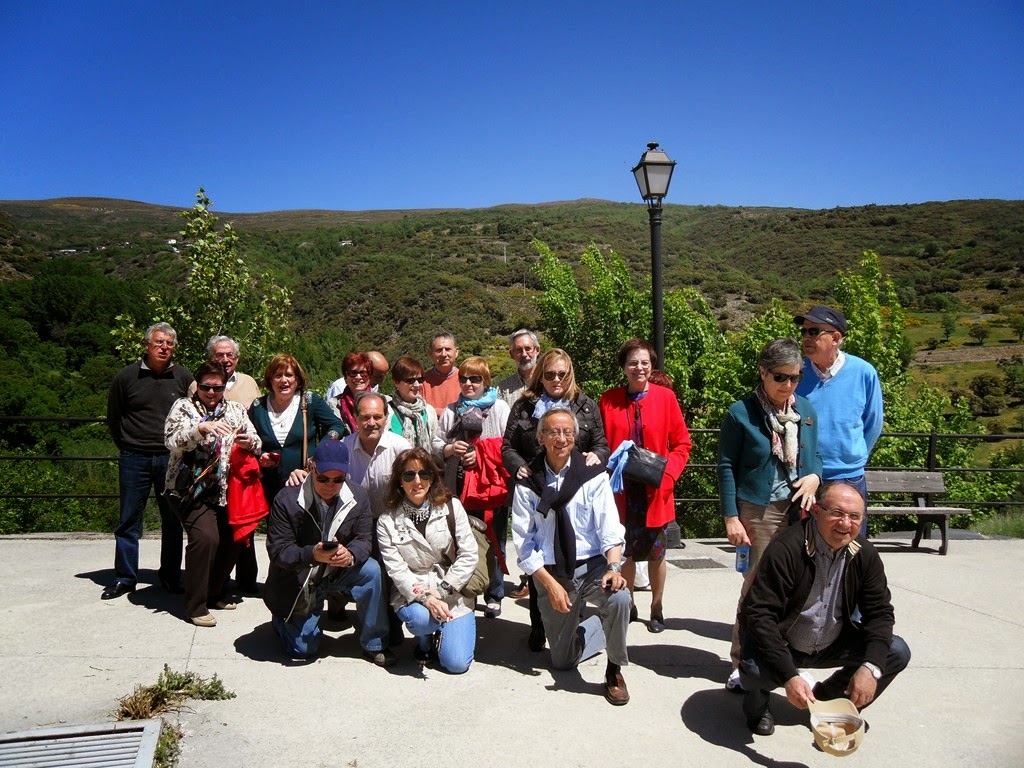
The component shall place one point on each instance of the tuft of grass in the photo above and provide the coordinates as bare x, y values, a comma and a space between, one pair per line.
1007, 524
168, 746
169, 693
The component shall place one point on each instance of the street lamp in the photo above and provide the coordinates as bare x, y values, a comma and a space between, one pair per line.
653, 175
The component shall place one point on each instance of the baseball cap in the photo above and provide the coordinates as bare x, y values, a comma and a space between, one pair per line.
331, 456
819, 313
837, 725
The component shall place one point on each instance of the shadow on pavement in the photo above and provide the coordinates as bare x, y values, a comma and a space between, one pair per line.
717, 717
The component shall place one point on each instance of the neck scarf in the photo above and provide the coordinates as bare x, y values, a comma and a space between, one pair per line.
414, 428
549, 499
485, 401
545, 404
347, 409
784, 423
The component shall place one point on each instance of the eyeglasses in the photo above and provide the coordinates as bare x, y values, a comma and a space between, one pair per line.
781, 378
332, 480
415, 380
638, 364
470, 379
163, 343
814, 332
552, 375
210, 387
225, 356
568, 434
411, 474
838, 514
360, 374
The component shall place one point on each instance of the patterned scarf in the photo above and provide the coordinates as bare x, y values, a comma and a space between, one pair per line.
784, 423
347, 409
419, 421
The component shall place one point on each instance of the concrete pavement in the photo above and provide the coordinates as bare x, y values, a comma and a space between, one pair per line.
66, 657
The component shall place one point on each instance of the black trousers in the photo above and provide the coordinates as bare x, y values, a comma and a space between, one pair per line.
209, 555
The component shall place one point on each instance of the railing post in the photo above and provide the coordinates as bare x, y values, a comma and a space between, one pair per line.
932, 441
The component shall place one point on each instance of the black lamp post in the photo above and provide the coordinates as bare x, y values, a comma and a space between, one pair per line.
653, 175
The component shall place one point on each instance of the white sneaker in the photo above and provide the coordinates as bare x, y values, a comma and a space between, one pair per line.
733, 683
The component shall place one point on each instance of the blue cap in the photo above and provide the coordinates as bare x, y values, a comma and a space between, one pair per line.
824, 315
331, 456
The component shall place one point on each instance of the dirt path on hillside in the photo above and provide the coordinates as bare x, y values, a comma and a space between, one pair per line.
967, 354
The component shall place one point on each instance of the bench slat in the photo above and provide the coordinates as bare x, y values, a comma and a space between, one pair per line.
882, 481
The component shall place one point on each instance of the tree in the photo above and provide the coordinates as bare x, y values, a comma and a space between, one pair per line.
220, 297
948, 326
1017, 324
979, 331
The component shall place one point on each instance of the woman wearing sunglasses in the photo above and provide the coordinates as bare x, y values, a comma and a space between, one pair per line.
411, 416
200, 432
649, 415
769, 467
551, 383
469, 438
356, 369
428, 565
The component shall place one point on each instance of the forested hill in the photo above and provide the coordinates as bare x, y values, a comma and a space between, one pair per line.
387, 279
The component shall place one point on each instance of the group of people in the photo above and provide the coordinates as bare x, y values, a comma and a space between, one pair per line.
372, 498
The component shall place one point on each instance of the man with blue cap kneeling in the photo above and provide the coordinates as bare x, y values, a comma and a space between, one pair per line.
319, 539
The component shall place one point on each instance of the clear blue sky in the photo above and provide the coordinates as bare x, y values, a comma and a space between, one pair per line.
356, 106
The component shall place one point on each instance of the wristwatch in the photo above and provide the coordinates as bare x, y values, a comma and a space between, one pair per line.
616, 566
875, 671
446, 588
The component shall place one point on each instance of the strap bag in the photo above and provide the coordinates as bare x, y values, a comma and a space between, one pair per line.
644, 466
486, 563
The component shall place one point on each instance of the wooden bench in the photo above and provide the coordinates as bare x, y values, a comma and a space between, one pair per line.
921, 486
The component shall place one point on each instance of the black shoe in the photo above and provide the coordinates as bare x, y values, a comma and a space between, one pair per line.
383, 658
634, 614
537, 639
117, 589
657, 623
338, 615
248, 590
764, 725
174, 587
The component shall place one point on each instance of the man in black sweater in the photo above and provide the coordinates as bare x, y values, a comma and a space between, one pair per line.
819, 599
140, 397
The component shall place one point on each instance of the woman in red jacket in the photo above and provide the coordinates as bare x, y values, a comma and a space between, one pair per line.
650, 416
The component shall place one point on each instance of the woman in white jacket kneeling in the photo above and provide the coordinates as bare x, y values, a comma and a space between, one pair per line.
429, 566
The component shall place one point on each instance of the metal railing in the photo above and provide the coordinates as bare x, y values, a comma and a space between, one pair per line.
931, 463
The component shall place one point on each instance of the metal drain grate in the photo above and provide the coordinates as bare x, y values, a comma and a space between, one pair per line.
696, 563
131, 744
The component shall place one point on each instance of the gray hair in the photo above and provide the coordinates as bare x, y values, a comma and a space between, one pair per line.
161, 328
215, 340
441, 335
779, 353
523, 332
553, 410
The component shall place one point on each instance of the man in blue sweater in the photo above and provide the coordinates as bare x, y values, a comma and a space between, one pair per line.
846, 393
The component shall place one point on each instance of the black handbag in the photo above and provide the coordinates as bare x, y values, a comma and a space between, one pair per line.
644, 466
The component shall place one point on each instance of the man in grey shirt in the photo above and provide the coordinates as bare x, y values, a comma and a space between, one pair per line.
798, 614
524, 348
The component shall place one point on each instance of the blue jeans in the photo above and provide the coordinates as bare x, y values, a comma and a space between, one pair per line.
136, 474
458, 636
847, 652
301, 634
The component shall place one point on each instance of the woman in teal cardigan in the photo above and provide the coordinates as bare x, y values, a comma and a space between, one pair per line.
277, 417
769, 466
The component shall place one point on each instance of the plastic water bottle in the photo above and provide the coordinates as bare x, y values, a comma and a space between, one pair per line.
742, 558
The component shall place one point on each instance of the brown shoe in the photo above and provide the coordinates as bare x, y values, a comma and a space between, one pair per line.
523, 590
206, 620
616, 694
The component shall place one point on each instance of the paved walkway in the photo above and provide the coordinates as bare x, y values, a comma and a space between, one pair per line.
66, 657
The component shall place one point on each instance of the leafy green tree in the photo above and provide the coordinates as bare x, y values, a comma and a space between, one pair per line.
1017, 324
979, 332
220, 297
948, 326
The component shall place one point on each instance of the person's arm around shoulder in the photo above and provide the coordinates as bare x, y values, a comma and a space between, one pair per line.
597, 451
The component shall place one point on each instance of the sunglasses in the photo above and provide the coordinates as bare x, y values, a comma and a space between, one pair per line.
781, 378
553, 375
330, 480
470, 379
415, 380
814, 332
210, 387
411, 474
360, 374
